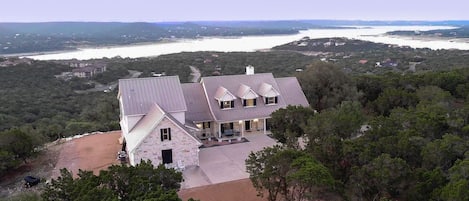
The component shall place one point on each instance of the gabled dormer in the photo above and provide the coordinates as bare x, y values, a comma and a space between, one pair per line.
247, 96
269, 94
225, 98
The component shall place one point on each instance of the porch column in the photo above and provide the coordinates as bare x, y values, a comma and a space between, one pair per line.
242, 128
265, 126
219, 130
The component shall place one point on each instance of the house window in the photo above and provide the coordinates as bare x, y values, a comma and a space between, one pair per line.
271, 100
206, 125
249, 102
165, 134
226, 104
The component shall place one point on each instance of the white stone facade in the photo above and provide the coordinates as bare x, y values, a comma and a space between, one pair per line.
185, 148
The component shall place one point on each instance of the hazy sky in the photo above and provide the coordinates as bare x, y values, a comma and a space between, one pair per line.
193, 10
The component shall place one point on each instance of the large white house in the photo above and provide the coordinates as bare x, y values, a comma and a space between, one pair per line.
164, 120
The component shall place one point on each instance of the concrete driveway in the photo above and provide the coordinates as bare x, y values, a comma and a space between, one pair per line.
224, 163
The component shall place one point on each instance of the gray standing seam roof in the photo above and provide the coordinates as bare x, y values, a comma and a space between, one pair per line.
232, 84
197, 106
290, 88
139, 94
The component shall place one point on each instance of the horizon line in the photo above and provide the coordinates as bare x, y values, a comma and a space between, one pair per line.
244, 20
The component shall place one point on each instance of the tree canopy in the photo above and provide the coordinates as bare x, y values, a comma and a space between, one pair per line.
118, 182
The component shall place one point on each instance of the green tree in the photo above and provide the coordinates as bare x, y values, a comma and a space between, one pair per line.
18, 143
444, 152
287, 174
428, 184
308, 177
457, 188
288, 123
344, 121
392, 98
140, 182
325, 85
384, 177
456, 191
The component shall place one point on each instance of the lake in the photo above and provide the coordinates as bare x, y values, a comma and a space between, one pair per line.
254, 43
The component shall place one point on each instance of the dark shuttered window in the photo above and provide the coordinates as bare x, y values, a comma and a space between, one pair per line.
165, 134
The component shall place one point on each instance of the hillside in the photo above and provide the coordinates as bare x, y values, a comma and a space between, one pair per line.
461, 32
358, 57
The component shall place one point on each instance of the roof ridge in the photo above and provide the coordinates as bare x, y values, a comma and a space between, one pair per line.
149, 78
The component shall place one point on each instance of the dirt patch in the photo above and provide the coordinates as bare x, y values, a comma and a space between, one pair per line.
93, 152
228, 191
97, 152
40, 167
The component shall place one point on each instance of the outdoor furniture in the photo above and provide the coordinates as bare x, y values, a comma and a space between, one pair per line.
122, 156
180, 166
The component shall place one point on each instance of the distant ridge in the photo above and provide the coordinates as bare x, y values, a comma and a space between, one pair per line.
17, 38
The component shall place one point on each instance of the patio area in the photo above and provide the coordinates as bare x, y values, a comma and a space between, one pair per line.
220, 164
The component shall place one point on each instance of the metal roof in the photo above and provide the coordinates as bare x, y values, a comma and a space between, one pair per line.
222, 94
232, 83
197, 106
246, 92
199, 100
267, 90
148, 123
290, 88
144, 127
139, 94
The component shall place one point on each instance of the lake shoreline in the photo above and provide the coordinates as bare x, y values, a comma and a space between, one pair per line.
253, 43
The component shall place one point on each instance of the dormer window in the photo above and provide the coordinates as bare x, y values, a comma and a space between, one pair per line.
269, 93
226, 104
271, 100
247, 95
249, 102
225, 98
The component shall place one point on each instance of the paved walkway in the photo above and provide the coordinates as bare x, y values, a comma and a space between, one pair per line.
224, 163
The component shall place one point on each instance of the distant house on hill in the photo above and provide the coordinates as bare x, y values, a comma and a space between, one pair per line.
165, 121
88, 71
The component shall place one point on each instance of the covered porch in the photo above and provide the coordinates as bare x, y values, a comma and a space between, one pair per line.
232, 130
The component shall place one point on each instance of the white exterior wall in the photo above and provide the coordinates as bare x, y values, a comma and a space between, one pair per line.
132, 159
184, 147
180, 116
132, 121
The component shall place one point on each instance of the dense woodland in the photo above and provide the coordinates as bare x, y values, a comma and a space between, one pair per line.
379, 137
414, 145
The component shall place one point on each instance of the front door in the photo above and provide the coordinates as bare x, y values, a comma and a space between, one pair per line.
167, 156
247, 125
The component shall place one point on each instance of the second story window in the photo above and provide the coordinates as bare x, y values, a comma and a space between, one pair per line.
165, 134
249, 102
226, 104
206, 125
271, 100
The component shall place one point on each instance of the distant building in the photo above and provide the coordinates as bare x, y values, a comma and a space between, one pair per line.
13, 61
88, 71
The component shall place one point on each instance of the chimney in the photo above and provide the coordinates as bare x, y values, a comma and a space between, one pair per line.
249, 70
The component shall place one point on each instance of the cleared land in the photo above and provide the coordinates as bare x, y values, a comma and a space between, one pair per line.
228, 191
98, 151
